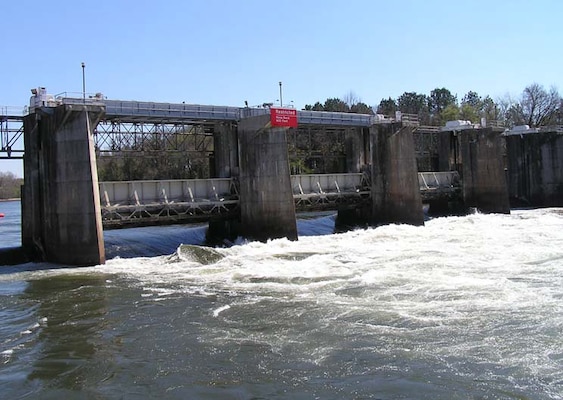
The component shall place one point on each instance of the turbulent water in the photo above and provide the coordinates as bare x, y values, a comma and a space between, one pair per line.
462, 308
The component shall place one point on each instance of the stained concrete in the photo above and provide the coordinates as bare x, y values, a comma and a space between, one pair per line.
395, 190
356, 143
535, 169
477, 154
266, 196
61, 218
225, 150
483, 177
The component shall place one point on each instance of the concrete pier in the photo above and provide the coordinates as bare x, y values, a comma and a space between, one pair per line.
482, 170
357, 144
266, 198
395, 190
61, 218
225, 150
535, 169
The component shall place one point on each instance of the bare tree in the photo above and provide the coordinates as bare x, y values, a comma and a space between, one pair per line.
351, 98
539, 107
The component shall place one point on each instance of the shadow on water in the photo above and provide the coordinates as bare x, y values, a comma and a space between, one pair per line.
71, 311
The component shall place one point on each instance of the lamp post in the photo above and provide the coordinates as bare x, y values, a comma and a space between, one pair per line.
281, 100
83, 84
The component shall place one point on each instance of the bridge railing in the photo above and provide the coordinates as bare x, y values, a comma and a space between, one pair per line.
12, 111
170, 110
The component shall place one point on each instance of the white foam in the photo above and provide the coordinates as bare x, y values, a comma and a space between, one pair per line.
219, 310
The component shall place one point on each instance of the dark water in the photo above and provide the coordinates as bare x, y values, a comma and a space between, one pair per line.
463, 308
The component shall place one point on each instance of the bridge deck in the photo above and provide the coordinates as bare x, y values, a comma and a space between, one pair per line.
139, 111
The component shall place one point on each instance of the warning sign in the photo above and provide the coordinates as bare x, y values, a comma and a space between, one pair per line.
286, 117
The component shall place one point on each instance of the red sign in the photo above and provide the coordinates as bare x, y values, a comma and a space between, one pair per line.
286, 117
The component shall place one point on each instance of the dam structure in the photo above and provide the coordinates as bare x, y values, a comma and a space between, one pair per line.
252, 188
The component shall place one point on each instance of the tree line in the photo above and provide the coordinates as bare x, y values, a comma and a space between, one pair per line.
10, 186
535, 106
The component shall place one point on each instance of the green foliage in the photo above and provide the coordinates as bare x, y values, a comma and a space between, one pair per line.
387, 107
415, 103
316, 107
450, 113
361, 108
467, 112
336, 104
412, 103
10, 186
440, 100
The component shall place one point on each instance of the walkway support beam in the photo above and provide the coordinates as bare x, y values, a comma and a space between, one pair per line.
395, 189
266, 197
61, 218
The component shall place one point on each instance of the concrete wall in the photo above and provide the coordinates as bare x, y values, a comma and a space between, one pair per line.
483, 177
61, 218
535, 169
395, 190
266, 198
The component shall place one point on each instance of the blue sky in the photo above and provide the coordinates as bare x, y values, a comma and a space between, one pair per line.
226, 52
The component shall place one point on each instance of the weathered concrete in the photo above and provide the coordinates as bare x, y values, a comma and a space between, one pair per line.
395, 190
225, 149
266, 198
357, 148
483, 177
61, 218
535, 169
477, 155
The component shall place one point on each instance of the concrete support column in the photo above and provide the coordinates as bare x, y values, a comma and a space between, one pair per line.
356, 154
266, 196
535, 169
483, 177
225, 149
61, 218
395, 189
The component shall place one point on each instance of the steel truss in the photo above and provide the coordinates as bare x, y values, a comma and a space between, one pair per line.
114, 136
11, 134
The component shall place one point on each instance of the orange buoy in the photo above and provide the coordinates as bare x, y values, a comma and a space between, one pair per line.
1, 215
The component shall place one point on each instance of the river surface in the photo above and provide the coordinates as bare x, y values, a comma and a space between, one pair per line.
462, 308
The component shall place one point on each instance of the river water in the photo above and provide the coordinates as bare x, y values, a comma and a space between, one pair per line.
462, 308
